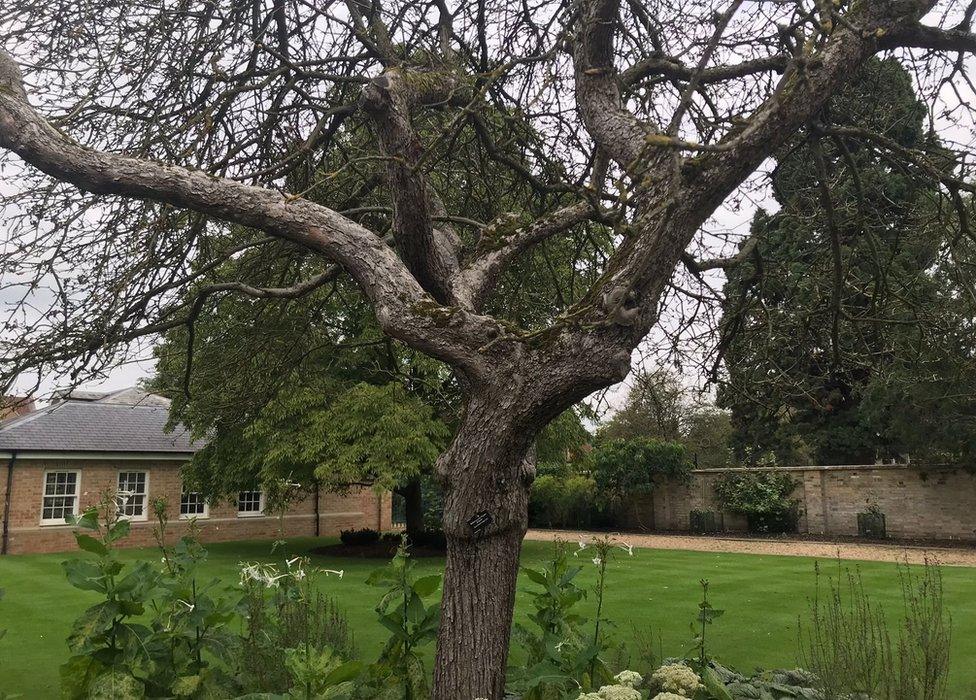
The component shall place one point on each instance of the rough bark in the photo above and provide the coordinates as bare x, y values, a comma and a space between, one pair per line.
486, 482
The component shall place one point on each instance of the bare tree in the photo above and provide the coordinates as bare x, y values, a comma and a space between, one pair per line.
169, 136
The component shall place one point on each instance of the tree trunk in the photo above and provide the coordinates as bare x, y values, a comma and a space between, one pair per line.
486, 482
413, 507
476, 617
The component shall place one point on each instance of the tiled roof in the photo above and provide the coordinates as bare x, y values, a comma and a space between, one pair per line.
98, 425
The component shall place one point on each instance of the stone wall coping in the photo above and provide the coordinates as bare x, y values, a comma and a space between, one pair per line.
816, 468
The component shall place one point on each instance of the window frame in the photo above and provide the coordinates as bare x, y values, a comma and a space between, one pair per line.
145, 503
190, 516
251, 513
76, 508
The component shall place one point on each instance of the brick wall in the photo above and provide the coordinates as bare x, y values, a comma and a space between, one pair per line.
358, 509
918, 503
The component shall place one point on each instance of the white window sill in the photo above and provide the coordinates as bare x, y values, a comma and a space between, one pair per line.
133, 518
249, 515
55, 523
192, 516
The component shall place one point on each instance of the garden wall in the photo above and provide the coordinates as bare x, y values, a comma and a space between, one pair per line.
918, 503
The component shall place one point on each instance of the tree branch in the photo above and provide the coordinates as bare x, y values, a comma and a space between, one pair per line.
612, 126
430, 254
934, 38
502, 242
402, 307
673, 69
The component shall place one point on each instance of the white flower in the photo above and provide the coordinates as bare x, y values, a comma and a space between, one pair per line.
629, 548
677, 679
589, 696
338, 573
668, 696
631, 679
189, 607
618, 692
597, 561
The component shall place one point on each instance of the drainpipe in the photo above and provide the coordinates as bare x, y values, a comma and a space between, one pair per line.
6, 503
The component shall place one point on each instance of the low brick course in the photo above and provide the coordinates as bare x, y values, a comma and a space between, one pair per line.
933, 503
359, 508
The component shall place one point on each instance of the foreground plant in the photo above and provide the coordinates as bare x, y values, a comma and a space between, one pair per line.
108, 640
853, 648
295, 638
399, 673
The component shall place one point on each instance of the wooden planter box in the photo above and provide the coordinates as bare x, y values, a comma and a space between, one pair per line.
705, 522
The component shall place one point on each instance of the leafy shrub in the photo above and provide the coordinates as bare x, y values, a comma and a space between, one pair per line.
184, 648
622, 468
764, 497
562, 656
563, 501
365, 536
290, 629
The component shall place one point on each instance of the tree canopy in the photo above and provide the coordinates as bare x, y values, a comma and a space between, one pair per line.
848, 332
151, 143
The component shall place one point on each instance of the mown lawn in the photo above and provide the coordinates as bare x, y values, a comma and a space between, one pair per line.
654, 591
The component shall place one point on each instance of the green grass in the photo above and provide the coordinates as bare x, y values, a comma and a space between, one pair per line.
655, 590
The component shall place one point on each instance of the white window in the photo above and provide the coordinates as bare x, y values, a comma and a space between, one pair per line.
60, 496
133, 492
193, 505
250, 503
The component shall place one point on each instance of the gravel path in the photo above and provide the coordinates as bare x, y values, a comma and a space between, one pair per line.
796, 548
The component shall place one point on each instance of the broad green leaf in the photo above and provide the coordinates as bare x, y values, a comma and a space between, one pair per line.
118, 530
90, 544
116, 685
426, 585
344, 672
84, 575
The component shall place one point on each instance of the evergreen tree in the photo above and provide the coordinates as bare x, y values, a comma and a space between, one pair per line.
849, 317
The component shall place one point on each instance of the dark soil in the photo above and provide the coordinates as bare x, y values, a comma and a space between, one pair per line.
375, 550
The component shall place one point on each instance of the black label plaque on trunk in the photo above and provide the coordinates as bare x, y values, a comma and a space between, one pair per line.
479, 522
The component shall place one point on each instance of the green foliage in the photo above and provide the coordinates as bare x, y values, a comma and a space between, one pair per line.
880, 365
563, 501
107, 641
295, 638
359, 537
557, 653
854, 650
623, 468
379, 432
399, 672
190, 643
707, 614
180, 652
562, 657
764, 497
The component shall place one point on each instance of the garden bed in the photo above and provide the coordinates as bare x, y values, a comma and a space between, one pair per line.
383, 549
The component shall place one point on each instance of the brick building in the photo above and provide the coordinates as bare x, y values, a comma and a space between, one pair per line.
63, 458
